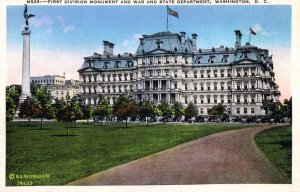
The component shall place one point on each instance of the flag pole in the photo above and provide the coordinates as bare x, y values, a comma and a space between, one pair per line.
167, 18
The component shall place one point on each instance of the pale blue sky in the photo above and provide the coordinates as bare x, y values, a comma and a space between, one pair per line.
84, 27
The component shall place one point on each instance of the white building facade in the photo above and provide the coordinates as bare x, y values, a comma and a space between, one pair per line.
169, 66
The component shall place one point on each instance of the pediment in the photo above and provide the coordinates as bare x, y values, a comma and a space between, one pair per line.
158, 51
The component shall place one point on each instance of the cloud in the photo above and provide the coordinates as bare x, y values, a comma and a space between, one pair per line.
259, 29
40, 22
129, 45
68, 28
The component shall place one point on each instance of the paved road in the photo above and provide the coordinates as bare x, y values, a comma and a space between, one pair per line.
227, 157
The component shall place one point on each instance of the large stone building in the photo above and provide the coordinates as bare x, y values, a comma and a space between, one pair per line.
57, 85
169, 66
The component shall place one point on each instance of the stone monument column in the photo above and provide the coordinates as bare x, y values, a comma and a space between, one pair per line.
25, 66
26, 57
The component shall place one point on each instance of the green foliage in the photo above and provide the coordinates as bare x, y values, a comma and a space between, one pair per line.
44, 101
288, 109
272, 108
190, 111
277, 145
126, 110
217, 110
103, 110
12, 101
147, 109
178, 110
87, 111
29, 108
121, 100
166, 110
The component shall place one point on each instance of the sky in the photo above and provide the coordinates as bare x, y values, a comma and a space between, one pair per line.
62, 35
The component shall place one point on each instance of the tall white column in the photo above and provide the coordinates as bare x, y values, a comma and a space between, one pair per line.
25, 66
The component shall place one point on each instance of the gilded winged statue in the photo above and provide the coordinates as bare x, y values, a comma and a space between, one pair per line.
27, 17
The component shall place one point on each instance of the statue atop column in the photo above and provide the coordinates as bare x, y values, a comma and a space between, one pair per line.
27, 17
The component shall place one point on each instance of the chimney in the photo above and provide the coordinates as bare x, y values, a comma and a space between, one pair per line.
182, 37
194, 41
105, 47
111, 48
238, 36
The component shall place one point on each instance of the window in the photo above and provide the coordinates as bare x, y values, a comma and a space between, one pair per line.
143, 74
202, 74
158, 60
175, 85
175, 59
238, 86
131, 76
186, 74
238, 72
253, 72
114, 77
222, 73
245, 86
186, 86
215, 73
151, 60
106, 64
238, 99
167, 72
222, 99
252, 86
222, 86
143, 61
202, 100
195, 86
252, 99
175, 74
120, 77
238, 110
245, 72
245, 99
208, 100
186, 100
195, 99
202, 87
229, 85
215, 99
195, 74
229, 111
201, 110
117, 64
252, 110
186, 60
229, 98
167, 60
158, 73
211, 59
225, 58
208, 73
215, 86
125, 77
229, 72
245, 110
150, 73
208, 87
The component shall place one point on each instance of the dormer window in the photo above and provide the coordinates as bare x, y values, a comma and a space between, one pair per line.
90, 63
175, 49
158, 43
106, 64
244, 55
225, 58
198, 60
211, 59
129, 63
117, 64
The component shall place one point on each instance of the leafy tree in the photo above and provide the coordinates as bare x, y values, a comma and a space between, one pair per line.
147, 109
125, 98
87, 111
44, 102
103, 110
29, 108
12, 101
272, 108
166, 110
217, 110
127, 109
287, 109
190, 111
178, 110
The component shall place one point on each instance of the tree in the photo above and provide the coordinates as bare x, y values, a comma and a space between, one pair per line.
44, 101
147, 109
103, 110
217, 110
272, 108
126, 110
166, 110
287, 109
87, 111
29, 109
12, 101
190, 111
178, 110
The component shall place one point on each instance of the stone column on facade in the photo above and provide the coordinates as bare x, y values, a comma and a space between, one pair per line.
25, 66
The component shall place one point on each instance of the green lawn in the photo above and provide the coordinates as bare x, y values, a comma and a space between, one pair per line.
91, 148
276, 143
